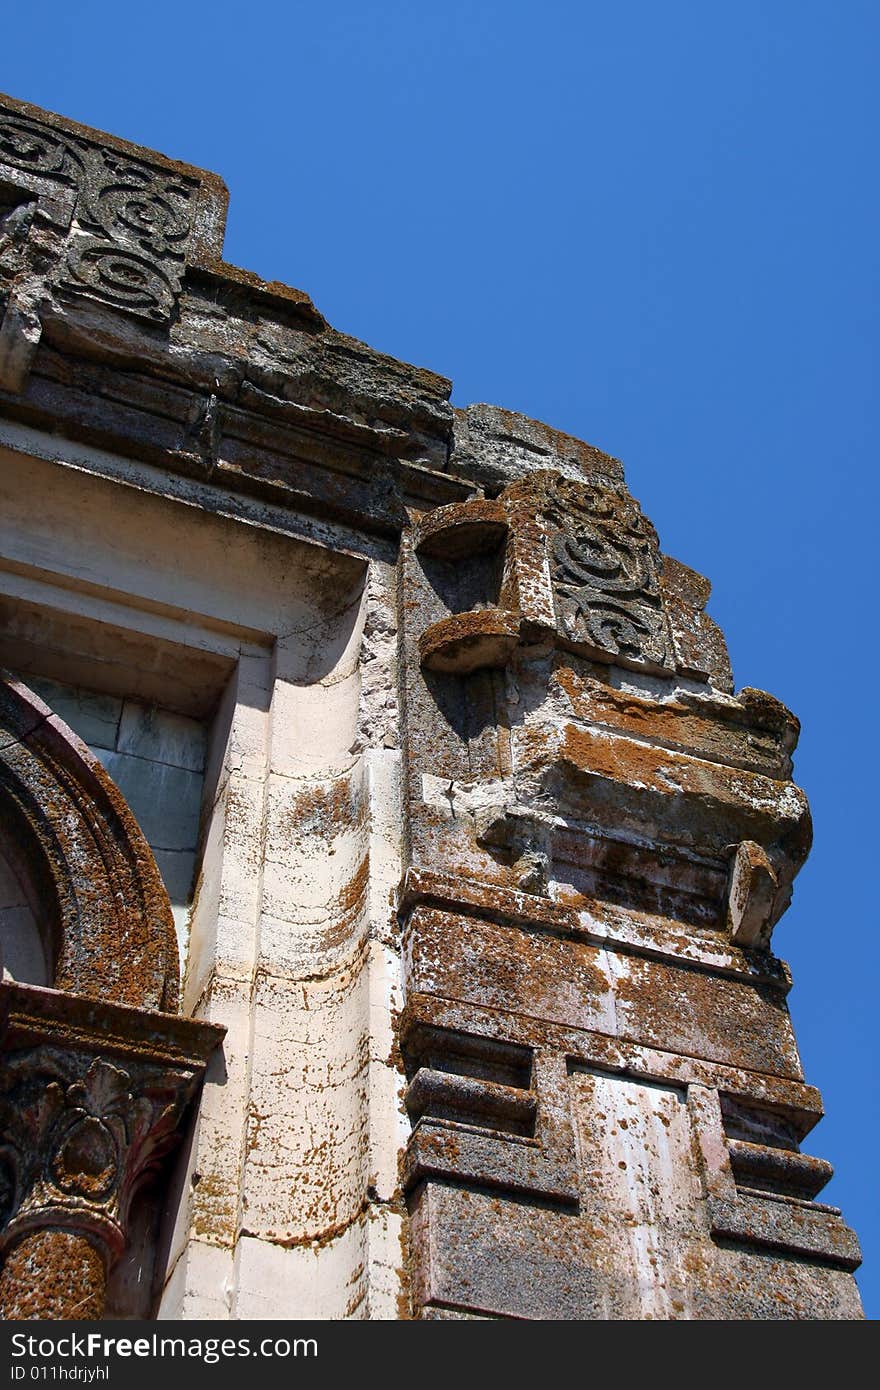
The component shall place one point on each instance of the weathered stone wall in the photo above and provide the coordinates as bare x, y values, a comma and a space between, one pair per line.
489, 852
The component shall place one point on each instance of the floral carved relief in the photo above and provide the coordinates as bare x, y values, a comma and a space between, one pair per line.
80, 1136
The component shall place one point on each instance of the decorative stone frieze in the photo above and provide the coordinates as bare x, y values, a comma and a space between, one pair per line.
132, 224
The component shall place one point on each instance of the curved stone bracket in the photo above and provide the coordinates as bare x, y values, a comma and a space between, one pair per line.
582, 566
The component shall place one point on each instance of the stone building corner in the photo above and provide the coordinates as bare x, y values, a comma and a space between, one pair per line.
388, 864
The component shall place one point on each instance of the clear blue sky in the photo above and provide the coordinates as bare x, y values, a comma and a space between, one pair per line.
654, 225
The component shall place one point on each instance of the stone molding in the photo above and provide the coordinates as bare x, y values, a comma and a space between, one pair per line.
113, 927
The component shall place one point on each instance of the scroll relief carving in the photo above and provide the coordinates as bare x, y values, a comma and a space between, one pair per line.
605, 567
132, 220
80, 1136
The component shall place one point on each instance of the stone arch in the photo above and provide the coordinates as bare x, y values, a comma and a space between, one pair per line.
107, 913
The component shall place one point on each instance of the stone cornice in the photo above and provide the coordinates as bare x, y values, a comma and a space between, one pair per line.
31, 1016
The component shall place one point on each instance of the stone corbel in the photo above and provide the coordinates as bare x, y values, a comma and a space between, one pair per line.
92, 1099
752, 889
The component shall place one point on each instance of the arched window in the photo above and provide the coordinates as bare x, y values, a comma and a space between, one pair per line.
23, 938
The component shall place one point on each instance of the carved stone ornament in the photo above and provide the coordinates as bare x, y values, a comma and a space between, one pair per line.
605, 567
92, 1096
80, 1135
132, 221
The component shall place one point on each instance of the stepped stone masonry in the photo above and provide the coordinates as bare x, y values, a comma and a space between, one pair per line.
388, 866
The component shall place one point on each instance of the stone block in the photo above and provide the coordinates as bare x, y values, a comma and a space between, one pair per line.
388, 1297
199, 1288
704, 1014
308, 1144
503, 967
326, 1282
177, 868
161, 737
166, 801
92, 716
314, 727
483, 1254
